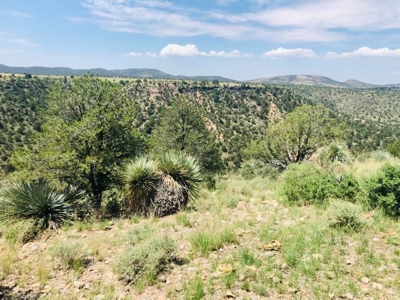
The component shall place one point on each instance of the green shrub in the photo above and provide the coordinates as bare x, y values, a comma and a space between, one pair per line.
254, 168
384, 190
346, 216
113, 199
38, 202
394, 148
348, 188
306, 183
70, 254
139, 233
142, 263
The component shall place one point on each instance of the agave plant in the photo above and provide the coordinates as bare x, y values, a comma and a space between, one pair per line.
45, 206
141, 178
162, 187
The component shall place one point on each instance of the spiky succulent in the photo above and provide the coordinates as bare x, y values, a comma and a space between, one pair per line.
44, 205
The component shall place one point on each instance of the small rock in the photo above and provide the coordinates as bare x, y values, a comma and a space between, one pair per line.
215, 275
162, 278
44, 290
349, 262
192, 269
87, 286
162, 297
107, 228
99, 297
284, 266
292, 290
303, 218
365, 280
330, 275
179, 288
331, 296
241, 277
349, 296
230, 295
78, 284
375, 239
318, 256
382, 268
241, 205
276, 279
260, 219
377, 286
325, 288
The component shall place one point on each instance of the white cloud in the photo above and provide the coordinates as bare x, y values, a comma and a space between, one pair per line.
151, 54
17, 14
133, 54
192, 50
367, 52
290, 21
11, 38
290, 53
178, 50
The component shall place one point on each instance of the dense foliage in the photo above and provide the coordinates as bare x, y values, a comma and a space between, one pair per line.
296, 138
384, 190
86, 135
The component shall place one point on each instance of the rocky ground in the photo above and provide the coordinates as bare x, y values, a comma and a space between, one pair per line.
273, 251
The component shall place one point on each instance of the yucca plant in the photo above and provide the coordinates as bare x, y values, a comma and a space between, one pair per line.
141, 178
45, 206
162, 187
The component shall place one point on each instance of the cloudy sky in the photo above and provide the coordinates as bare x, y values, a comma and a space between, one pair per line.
238, 39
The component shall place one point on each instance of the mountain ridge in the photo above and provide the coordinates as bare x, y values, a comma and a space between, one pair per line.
132, 72
317, 80
312, 80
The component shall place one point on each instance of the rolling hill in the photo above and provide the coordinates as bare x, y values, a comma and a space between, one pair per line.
317, 80
135, 73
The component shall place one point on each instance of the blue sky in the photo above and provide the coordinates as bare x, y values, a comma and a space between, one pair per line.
238, 39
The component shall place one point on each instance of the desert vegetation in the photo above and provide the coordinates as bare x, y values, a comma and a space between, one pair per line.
155, 189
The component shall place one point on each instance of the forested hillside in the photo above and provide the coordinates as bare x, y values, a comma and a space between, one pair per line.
21, 99
234, 112
371, 114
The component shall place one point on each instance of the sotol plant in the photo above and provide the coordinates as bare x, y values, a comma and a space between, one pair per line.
45, 206
164, 186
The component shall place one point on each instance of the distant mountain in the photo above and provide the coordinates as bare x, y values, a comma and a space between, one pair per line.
136, 73
317, 80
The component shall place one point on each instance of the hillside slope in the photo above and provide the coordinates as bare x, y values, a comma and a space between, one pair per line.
236, 112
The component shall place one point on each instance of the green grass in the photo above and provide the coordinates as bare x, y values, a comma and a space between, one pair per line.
208, 240
194, 289
183, 219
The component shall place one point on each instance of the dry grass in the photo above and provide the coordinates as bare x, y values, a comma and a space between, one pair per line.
220, 249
